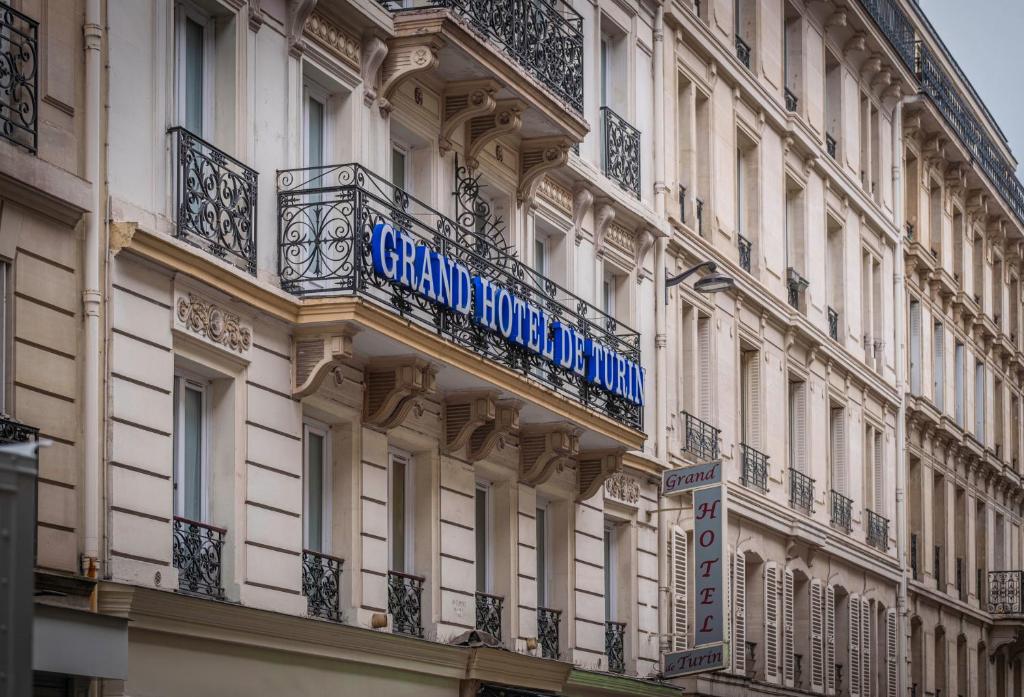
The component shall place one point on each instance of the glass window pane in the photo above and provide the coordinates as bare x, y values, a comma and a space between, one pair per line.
398, 515
481, 540
194, 50
314, 133
542, 558
315, 484
398, 168
192, 453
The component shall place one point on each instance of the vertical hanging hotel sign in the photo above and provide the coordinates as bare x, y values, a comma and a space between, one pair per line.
709, 652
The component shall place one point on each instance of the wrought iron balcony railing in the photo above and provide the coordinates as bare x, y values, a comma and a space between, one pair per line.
700, 215
701, 438
488, 613
796, 284
547, 631
754, 468
544, 37
791, 99
833, 324
196, 554
321, 584
895, 25
19, 78
801, 491
12, 431
743, 51
326, 217
841, 512
214, 200
913, 556
1004, 592
614, 646
621, 151
744, 246
405, 603
830, 145
878, 530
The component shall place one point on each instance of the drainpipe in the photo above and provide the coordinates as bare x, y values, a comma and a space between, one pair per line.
91, 293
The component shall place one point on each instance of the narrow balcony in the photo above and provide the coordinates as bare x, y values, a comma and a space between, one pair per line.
405, 603
830, 145
12, 431
321, 584
801, 491
841, 513
615, 646
548, 621
961, 589
699, 203
796, 285
214, 200
488, 613
620, 151
913, 556
701, 438
19, 79
744, 248
743, 51
754, 473
877, 530
196, 554
791, 100
833, 324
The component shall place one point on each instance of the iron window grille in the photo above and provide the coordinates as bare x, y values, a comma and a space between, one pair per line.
1004, 592
196, 554
744, 246
743, 51
621, 151
754, 474
321, 583
830, 145
878, 530
547, 631
405, 603
801, 491
833, 324
701, 438
842, 512
791, 100
214, 200
614, 646
19, 78
488, 613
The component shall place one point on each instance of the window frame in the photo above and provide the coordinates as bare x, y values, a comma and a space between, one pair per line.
185, 11
324, 431
409, 546
313, 91
611, 581
186, 380
6, 336
485, 488
397, 146
543, 536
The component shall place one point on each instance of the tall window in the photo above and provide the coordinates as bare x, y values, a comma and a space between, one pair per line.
837, 449
315, 145
792, 51
610, 560
979, 402
915, 347
959, 377
483, 534
191, 450
400, 518
399, 166
798, 425
5, 336
317, 478
750, 396
935, 220
874, 473
833, 100
939, 366
194, 38
978, 253
542, 556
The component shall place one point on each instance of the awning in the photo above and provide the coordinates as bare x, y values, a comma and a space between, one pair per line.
74, 642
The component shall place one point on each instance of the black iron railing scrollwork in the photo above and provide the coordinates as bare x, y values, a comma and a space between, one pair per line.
1004, 592
701, 438
214, 200
12, 431
545, 37
791, 99
547, 631
801, 491
321, 584
743, 51
326, 216
841, 514
744, 247
488, 613
614, 646
405, 603
620, 151
878, 530
699, 205
754, 468
196, 555
833, 324
19, 78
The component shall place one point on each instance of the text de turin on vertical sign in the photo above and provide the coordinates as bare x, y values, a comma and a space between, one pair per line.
705, 481
397, 258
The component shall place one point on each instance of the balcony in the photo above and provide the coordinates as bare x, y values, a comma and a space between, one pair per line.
19, 78
913, 556
878, 530
614, 646
326, 218
894, 25
830, 145
796, 284
791, 99
743, 51
321, 582
754, 473
547, 631
214, 200
700, 215
701, 438
833, 324
1004, 592
488, 614
841, 513
12, 431
620, 151
744, 246
801, 491
196, 554
405, 603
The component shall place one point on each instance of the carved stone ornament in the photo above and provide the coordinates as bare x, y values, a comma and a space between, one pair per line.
623, 488
334, 39
214, 323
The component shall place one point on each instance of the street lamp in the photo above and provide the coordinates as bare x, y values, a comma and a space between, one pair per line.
713, 282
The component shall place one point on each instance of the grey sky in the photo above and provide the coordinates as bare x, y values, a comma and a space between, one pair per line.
985, 37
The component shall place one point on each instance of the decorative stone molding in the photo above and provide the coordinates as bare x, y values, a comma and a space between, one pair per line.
645, 237
393, 387
315, 357
496, 432
506, 118
582, 200
855, 44
464, 412
255, 16
298, 12
121, 234
538, 156
545, 449
406, 57
604, 214
333, 38
560, 197
374, 52
622, 487
593, 467
464, 101
213, 323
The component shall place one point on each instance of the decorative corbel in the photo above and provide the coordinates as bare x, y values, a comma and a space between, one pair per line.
537, 157
604, 214
506, 118
255, 16
298, 13
393, 387
593, 467
121, 234
406, 57
855, 44
495, 432
645, 237
374, 51
882, 80
837, 19
316, 356
464, 101
545, 449
582, 200
464, 412
871, 67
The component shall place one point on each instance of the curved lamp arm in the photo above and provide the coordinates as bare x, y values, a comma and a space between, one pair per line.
670, 281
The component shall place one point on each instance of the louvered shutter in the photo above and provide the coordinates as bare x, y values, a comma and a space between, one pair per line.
865, 648
799, 446
771, 622
891, 666
830, 640
754, 402
839, 450
915, 347
706, 377
679, 585
788, 658
817, 636
853, 669
879, 474
739, 612
939, 367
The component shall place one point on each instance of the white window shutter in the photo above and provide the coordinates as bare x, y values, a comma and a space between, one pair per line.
771, 622
817, 636
706, 378
915, 347
865, 648
789, 660
853, 668
679, 585
739, 612
839, 450
754, 402
830, 640
939, 367
879, 474
891, 665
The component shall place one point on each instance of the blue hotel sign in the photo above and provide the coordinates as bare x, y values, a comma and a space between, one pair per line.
399, 259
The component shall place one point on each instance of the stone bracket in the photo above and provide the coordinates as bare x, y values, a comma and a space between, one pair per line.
464, 413
593, 467
537, 157
393, 387
462, 102
506, 118
316, 357
405, 58
545, 449
495, 432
